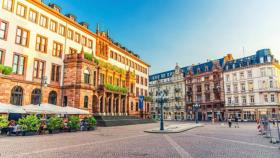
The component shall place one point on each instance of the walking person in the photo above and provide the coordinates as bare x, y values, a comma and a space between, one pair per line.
229, 122
236, 122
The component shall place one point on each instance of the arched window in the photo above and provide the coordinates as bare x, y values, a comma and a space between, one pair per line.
52, 97
16, 95
86, 76
35, 96
86, 102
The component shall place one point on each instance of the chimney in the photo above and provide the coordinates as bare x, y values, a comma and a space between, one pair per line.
71, 16
55, 7
84, 24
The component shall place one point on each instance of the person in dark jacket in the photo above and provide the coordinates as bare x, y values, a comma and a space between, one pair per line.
229, 122
236, 122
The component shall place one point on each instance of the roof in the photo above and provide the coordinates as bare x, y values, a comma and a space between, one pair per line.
199, 68
261, 56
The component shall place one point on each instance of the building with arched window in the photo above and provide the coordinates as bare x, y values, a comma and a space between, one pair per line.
71, 61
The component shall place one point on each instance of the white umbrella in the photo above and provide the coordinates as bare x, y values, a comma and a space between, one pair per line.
44, 108
75, 111
9, 108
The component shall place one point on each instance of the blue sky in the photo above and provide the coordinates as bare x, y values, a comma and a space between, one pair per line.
166, 32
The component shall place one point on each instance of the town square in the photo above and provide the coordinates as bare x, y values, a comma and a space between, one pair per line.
141, 78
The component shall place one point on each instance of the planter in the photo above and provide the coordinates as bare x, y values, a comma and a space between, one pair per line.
28, 133
91, 128
55, 131
72, 130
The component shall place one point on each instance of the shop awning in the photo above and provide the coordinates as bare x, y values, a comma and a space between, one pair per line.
9, 108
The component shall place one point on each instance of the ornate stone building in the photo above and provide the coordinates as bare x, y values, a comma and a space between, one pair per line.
252, 86
204, 86
81, 68
172, 84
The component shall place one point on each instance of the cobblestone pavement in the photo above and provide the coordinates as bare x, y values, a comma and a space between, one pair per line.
214, 141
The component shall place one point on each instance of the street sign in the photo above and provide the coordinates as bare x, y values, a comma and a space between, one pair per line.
141, 102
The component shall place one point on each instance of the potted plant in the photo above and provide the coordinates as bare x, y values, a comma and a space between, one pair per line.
54, 124
91, 123
29, 125
3, 123
73, 123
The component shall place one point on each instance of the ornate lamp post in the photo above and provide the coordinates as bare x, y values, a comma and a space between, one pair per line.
196, 107
43, 83
161, 99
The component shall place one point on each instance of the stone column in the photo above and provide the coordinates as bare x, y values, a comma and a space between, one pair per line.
104, 103
119, 105
112, 104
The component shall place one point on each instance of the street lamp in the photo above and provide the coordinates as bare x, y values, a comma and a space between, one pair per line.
161, 98
43, 83
196, 107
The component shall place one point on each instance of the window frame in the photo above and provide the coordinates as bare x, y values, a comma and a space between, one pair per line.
55, 78
38, 68
37, 15
21, 37
25, 10
18, 64
40, 43
12, 6
54, 51
6, 30
72, 32
59, 30
47, 20
2, 56
56, 26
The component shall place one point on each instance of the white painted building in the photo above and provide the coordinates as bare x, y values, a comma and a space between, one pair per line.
252, 86
173, 85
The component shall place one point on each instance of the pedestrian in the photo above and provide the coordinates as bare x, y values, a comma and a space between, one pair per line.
236, 122
273, 122
229, 122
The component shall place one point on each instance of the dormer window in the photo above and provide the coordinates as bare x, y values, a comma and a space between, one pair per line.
261, 60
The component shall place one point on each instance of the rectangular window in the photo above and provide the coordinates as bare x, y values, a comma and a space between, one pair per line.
33, 16
53, 26
57, 49
2, 56
72, 51
18, 64
244, 100
41, 43
77, 37
90, 43
70, 34
243, 89
252, 99
249, 74
61, 30
8, 5
3, 29
84, 41
55, 75
236, 100
272, 98
265, 98
43, 21
250, 86
38, 70
22, 37
21, 10
229, 100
